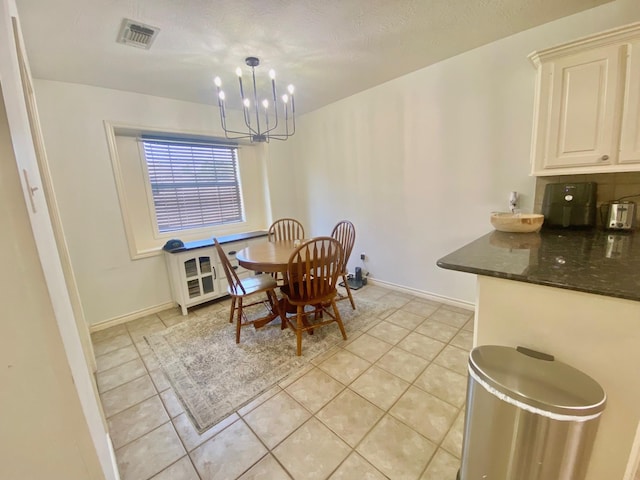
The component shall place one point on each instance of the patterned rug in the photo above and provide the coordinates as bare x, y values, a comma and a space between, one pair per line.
213, 376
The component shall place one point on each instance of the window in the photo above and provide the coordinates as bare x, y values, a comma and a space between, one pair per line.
193, 184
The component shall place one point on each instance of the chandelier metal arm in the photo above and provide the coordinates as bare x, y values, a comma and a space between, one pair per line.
223, 122
255, 133
245, 111
255, 98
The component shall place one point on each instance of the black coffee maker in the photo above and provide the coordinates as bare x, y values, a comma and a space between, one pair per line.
570, 205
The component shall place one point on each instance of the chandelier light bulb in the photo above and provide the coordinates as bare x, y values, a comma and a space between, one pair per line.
291, 89
272, 74
246, 103
238, 72
217, 82
285, 98
221, 95
265, 103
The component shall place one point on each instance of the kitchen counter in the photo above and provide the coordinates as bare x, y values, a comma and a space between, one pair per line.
574, 294
591, 261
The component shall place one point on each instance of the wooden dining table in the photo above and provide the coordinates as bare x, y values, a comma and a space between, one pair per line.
268, 257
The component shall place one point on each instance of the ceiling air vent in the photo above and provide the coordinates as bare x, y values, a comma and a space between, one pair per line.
137, 34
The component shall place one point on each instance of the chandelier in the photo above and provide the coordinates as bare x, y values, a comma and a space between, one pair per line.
260, 118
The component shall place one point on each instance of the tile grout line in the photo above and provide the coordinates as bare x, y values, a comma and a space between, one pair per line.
342, 390
164, 407
388, 410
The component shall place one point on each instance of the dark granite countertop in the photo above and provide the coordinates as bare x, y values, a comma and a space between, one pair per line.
208, 242
592, 261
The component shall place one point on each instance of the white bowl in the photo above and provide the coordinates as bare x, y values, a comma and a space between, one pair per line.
517, 222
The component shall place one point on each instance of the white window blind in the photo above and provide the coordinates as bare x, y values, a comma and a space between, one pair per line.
194, 185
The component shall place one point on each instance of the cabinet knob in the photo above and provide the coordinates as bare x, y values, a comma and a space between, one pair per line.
604, 158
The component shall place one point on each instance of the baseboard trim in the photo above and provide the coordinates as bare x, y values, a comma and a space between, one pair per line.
422, 294
114, 463
96, 327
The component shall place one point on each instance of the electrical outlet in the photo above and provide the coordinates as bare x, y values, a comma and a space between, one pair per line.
363, 256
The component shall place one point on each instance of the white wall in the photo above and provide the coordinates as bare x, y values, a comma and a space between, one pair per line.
48, 396
419, 163
111, 284
44, 433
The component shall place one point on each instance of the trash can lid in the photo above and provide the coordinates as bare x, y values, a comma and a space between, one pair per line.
537, 380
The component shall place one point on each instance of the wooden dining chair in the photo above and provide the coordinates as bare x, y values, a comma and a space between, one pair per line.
239, 289
285, 229
312, 273
345, 233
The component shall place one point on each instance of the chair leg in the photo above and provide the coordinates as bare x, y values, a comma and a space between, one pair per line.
270, 299
233, 309
346, 286
239, 320
338, 318
299, 314
275, 307
282, 308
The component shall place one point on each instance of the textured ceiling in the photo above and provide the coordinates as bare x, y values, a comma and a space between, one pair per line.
329, 49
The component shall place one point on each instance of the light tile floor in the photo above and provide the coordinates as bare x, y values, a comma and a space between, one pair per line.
388, 403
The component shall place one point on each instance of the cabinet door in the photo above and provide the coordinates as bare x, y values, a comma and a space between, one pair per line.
584, 108
192, 278
207, 275
630, 135
200, 278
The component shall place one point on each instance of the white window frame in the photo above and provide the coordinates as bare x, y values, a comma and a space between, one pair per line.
138, 220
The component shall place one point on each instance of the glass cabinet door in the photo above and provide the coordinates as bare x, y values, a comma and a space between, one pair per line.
194, 288
207, 274
190, 268
205, 265
200, 275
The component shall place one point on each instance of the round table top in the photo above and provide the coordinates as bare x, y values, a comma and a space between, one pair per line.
266, 256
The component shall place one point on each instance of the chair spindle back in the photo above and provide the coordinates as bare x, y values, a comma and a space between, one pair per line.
232, 277
345, 233
286, 229
314, 268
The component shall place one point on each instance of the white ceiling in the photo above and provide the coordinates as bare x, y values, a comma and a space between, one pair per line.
329, 49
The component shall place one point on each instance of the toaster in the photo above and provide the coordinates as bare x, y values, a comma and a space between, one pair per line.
620, 216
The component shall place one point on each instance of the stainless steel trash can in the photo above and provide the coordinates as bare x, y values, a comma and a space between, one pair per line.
528, 417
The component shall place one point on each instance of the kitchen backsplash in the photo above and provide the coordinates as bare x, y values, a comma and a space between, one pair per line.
611, 186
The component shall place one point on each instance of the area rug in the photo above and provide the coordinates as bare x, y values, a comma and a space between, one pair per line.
212, 376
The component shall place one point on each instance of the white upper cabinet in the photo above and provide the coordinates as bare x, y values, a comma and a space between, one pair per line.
630, 132
587, 112
584, 89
